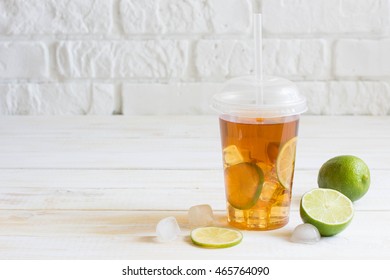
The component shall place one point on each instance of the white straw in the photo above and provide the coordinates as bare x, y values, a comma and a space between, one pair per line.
257, 30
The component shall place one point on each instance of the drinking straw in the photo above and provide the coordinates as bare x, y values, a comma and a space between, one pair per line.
257, 30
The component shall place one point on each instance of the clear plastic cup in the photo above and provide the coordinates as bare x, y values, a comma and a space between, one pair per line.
259, 128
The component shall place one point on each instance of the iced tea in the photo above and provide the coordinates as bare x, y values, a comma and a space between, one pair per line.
259, 158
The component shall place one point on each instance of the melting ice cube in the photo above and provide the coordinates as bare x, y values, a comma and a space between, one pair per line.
167, 229
270, 191
200, 216
232, 156
305, 233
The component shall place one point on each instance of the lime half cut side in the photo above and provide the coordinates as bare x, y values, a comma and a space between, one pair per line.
328, 210
285, 163
215, 237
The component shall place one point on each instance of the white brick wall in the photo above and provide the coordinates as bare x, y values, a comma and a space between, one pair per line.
325, 16
170, 56
23, 59
362, 58
122, 59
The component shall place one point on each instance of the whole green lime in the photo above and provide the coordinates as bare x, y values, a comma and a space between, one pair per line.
346, 174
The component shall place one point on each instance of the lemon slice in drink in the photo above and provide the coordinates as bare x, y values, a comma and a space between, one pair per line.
328, 210
244, 183
215, 237
285, 163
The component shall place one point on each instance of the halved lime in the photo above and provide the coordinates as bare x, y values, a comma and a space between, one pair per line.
328, 210
285, 163
215, 237
244, 182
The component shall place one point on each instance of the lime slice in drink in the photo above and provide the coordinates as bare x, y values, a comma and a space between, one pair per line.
328, 210
215, 237
285, 163
244, 182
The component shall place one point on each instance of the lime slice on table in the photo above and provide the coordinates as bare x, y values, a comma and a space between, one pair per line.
215, 237
244, 183
285, 163
328, 210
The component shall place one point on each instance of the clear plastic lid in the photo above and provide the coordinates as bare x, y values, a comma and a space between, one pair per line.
241, 97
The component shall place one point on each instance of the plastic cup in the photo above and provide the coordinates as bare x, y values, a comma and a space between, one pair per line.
259, 144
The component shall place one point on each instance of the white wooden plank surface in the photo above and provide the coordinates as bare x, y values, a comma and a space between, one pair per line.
133, 144
177, 153
145, 189
94, 187
130, 235
179, 126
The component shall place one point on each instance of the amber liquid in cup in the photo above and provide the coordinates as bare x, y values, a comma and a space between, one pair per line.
259, 158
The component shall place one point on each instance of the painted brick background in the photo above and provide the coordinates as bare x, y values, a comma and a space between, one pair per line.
65, 57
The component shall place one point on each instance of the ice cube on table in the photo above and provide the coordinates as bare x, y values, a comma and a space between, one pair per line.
200, 216
306, 233
167, 229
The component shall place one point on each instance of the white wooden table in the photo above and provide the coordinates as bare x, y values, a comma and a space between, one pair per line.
95, 187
